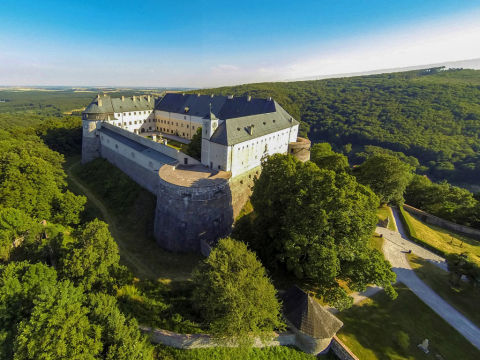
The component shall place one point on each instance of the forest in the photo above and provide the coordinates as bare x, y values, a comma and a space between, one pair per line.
430, 116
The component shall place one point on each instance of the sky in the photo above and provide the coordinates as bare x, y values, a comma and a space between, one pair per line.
202, 43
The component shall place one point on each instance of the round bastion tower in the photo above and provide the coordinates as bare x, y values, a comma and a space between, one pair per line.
91, 118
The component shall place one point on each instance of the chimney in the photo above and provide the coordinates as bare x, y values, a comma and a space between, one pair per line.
134, 98
269, 98
249, 98
104, 95
198, 94
212, 96
99, 101
250, 129
123, 98
230, 97
148, 98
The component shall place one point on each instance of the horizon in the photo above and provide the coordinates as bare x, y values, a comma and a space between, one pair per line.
201, 44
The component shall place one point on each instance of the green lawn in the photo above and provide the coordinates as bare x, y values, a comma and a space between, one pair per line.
371, 328
444, 240
464, 298
385, 212
270, 353
129, 211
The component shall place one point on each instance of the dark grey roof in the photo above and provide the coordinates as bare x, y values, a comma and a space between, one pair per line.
117, 105
237, 130
222, 107
308, 316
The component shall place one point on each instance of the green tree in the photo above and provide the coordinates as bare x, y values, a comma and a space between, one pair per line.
387, 176
317, 223
194, 148
20, 285
325, 158
32, 180
58, 327
234, 294
121, 338
92, 258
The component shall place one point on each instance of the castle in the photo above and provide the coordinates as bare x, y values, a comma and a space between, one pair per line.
197, 200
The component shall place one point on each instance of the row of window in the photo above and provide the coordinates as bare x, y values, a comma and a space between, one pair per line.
135, 113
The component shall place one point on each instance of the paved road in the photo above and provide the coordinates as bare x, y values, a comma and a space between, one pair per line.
394, 251
401, 239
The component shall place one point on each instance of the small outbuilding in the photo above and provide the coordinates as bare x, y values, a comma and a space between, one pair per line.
313, 325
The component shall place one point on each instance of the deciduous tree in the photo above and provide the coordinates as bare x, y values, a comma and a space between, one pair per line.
234, 294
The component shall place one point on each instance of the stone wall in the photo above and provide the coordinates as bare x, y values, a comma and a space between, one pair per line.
186, 216
147, 178
300, 149
434, 220
241, 188
195, 341
341, 350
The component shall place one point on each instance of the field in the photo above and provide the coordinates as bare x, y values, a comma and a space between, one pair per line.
443, 240
376, 330
464, 298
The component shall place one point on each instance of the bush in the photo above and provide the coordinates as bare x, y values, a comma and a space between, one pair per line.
402, 340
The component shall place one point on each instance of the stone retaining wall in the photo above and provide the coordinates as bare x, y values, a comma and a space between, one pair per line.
449, 225
195, 341
341, 350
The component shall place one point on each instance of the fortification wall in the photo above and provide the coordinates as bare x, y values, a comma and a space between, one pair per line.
434, 220
147, 178
241, 188
187, 216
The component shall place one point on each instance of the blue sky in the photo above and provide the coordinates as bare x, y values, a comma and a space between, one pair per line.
210, 43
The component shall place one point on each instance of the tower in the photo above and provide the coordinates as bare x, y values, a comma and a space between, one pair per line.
209, 125
90, 122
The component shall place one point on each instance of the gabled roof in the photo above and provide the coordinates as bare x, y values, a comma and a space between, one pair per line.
308, 316
237, 130
117, 105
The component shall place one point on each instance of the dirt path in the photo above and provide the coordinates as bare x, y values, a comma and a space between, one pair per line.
128, 258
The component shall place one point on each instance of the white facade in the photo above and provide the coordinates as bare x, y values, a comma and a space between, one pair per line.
246, 155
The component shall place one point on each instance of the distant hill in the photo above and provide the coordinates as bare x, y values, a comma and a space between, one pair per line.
473, 64
430, 114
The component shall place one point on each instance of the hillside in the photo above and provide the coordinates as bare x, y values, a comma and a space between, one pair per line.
433, 115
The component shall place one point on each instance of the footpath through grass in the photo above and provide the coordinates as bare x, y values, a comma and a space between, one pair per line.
443, 240
129, 211
465, 298
380, 328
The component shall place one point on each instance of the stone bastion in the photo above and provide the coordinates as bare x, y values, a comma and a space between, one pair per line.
194, 206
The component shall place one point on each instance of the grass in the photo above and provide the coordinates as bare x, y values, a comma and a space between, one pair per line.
222, 353
129, 211
464, 298
370, 330
384, 212
443, 240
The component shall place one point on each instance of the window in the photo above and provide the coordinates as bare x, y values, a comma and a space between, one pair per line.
134, 113
185, 118
219, 167
129, 113
130, 123
193, 127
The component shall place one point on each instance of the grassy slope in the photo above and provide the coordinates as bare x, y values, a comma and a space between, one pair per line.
384, 212
465, 298
369, 329
271, 353
129, 211
444, 240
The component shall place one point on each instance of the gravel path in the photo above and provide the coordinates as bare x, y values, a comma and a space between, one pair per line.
394, 249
